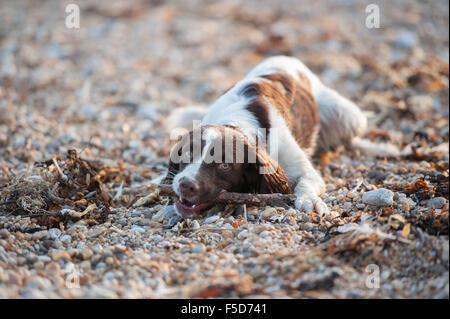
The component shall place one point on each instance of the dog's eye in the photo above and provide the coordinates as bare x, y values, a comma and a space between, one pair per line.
225, 166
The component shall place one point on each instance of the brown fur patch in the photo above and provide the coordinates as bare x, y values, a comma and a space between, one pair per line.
292, 99
305, 112
261, 112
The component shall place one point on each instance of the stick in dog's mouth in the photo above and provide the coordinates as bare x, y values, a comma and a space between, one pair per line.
189, 210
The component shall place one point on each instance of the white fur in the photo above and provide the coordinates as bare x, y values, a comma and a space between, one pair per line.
340, 119
375, 149
191, 170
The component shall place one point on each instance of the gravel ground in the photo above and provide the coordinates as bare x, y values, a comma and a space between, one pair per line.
68, 226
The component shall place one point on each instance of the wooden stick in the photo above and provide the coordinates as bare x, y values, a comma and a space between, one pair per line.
277, 199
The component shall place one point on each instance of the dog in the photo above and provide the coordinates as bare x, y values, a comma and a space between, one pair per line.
285, 101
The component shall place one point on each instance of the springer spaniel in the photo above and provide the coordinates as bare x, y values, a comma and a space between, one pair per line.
259, 136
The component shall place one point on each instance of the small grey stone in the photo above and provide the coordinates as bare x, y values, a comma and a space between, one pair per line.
66, 239
148, 111
210, 220
86, 253
39, 283
122, 222
378, 197
174, 220
159, 216
347, 206
406, 39
95, 232
109, 275
29, 293
437, 202
199, 249
138, 229
195, 225
54, 233
44, 258
304, 218
97, 249
307, 226
101, 265
406, 203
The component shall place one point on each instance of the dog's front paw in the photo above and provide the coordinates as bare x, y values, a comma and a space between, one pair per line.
308, 204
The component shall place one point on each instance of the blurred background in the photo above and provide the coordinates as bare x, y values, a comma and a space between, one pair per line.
107, 86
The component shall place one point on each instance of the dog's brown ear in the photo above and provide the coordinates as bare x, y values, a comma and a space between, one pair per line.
173, 169
266, 176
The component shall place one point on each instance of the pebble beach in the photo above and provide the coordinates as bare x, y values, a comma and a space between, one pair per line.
83, 136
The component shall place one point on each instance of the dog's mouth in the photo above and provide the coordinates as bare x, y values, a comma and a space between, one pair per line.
189, 210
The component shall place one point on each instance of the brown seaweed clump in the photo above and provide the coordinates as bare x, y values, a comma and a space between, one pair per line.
63, 188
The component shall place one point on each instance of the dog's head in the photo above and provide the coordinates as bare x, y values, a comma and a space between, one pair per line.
213, 159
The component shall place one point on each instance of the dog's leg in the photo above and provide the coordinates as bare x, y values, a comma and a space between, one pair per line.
299, 169
340, 119
343, 123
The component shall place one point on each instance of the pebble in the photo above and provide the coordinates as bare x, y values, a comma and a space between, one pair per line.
352, 195
264, 234
210, 219
243, 234
159, 216
86, 253
437, 202
85, 265
44, 258
199, 249
109, 275
268, 212
307, 226
54, 233
97, 249
66, 239
291, 212
48, 243
379, 197
406, 203
406, 39
100, 265
119, 248
347, 206
137, 229
4, 233
39, 235
304, 218
195, 225
109, 261
96, 231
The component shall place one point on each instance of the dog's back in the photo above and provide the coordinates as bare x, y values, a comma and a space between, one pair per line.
340, 119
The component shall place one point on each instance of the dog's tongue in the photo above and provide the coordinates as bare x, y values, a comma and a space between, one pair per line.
190, 210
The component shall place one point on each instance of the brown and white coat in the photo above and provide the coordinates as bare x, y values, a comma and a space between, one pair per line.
299, 113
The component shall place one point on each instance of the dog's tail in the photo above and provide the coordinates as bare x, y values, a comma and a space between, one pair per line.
184, 117
343, 123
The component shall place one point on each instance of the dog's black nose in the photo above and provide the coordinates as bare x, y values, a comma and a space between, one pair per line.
189, 187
